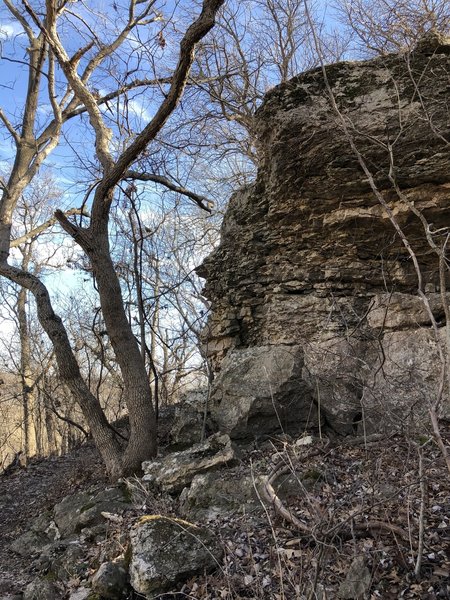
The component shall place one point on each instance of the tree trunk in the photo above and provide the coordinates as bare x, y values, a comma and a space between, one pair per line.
28, 394
142, 443
69, 371
52, 445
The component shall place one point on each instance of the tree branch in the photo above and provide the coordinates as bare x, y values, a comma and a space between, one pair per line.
201, 201
132, 85
201, 26
46, 225
17, 15
79, 234
7, 123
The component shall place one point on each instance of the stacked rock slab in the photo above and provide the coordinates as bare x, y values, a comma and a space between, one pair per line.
309, 264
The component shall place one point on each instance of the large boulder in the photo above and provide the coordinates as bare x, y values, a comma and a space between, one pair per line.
405, 380
166, 551
336, 370
309, 261
260, 390
175, 471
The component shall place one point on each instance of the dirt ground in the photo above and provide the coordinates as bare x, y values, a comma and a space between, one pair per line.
27, 492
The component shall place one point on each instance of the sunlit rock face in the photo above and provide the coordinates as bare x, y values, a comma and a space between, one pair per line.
310, 259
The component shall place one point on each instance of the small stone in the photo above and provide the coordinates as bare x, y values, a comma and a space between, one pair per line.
111, 581
357, 582
39, 589
81, 593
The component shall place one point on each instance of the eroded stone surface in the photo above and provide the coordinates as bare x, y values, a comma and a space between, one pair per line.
216, 494
166, 551
308, 256
175, 471
85, 509
260, 390
189, 419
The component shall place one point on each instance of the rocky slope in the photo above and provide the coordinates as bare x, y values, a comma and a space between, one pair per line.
309, 263
358, 518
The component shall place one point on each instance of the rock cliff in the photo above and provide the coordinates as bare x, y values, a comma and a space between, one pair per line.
309, 263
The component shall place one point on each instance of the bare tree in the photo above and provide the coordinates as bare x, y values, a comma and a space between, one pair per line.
31, 253
48, 55
384, 26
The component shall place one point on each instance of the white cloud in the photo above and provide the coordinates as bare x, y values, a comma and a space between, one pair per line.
9, 30
138, 110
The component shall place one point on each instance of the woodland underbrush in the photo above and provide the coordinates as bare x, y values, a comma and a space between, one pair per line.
363, 518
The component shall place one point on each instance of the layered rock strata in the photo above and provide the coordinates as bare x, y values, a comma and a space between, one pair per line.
310, 263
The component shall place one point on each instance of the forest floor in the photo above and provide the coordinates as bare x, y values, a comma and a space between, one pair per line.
370, 501
28, 492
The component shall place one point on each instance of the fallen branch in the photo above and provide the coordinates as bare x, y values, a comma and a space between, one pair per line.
345, 529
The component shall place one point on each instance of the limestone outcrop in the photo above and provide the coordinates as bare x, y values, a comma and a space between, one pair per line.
309, 259
176, 471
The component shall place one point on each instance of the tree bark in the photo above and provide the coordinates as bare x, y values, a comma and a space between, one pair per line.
28, 392
143, 429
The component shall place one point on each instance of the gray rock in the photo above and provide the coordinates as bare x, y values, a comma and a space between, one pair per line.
216, 493
111, 581
308, 256
40, 589
260, 390
84, 509
81, 593
29, 543
168, 551
405, 378
67, 512
175, 471
41, 533
187, 426
336, 370
63, 559
357, 582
